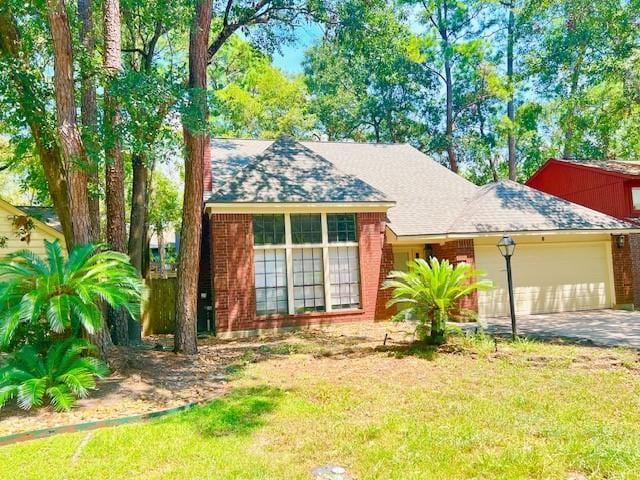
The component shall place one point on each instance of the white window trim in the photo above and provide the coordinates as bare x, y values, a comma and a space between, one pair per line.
633, 205
288, 246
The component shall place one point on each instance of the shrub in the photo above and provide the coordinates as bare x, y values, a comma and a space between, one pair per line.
43, 296
429, 291
58, 377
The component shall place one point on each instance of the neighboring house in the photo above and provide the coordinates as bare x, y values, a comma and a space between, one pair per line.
170, 243
608, 186
300, 233
26, 227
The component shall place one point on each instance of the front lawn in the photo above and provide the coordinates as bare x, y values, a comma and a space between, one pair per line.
523, 410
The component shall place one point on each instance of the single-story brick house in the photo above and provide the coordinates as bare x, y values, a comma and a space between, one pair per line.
608, 186
301, 233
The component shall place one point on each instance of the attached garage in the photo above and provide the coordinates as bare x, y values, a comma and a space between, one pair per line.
550, 274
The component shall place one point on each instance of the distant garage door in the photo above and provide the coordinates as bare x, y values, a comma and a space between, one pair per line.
548, 277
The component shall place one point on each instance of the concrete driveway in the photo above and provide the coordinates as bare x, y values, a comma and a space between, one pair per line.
618, 328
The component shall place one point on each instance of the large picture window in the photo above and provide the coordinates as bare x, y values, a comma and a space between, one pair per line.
308, 280
345, 277
271, 281
305, 263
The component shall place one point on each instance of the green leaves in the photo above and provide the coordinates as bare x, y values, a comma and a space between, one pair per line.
62, 295
59, 376
430, 290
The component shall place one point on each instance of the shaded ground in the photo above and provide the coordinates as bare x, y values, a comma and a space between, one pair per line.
475, 408
599, 327
149, 380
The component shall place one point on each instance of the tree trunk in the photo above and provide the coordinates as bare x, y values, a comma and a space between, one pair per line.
569, 123
438, 327
451, 152
88, 113
511, 111
161, 252
33, 108
196, 143
114, 172
137, 230
75, 158
139, 201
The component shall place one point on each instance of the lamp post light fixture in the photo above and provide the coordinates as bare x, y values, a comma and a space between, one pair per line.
507, 246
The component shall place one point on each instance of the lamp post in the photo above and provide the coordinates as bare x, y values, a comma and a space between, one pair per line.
507, 246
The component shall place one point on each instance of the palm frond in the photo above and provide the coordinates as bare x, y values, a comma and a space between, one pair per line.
56, 259
31, 393
59, 313
61, 397
7, 392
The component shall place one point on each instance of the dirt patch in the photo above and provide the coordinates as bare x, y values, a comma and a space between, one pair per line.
145, 380
149, 380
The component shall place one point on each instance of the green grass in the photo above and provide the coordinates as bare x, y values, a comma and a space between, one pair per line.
527, 410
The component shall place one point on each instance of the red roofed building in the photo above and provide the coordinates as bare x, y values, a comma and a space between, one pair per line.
608, 186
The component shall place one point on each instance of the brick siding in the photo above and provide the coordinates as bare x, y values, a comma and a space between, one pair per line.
459, 251
625, 265
234, 278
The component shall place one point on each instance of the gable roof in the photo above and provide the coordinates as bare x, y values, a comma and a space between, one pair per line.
507, 206
431, 200
621, 167
287, 171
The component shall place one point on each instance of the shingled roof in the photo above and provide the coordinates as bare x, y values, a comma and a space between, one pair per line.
289, 172
430, 199
508, 206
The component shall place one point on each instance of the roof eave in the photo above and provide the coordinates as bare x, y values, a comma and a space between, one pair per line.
420, 238
280, 207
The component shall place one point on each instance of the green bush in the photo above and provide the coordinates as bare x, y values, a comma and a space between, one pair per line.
40, 297
429, 291
57, 377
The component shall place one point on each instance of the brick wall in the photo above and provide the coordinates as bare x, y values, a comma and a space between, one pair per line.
623, 269
207, 178
634, 245
386, 266
233, 273
459, 251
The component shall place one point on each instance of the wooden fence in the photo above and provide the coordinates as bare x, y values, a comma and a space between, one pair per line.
159, 313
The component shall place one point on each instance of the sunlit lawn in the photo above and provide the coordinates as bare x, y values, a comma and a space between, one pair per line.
528, 410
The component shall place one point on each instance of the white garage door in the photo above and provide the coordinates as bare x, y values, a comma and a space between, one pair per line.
547, 278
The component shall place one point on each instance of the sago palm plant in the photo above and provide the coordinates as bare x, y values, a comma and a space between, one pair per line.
429, 291
57, 377
38, 295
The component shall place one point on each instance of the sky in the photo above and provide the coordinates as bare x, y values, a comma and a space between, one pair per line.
291, 56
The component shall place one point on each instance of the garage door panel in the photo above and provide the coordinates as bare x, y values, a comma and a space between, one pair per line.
547, 278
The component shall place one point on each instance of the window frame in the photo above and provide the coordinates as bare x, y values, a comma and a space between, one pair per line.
633, 206
289, 246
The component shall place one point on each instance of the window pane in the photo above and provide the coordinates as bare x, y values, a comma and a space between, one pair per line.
308, 281
271, 281
306, 228
268, 229
635, 193
341, 227
344, 273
